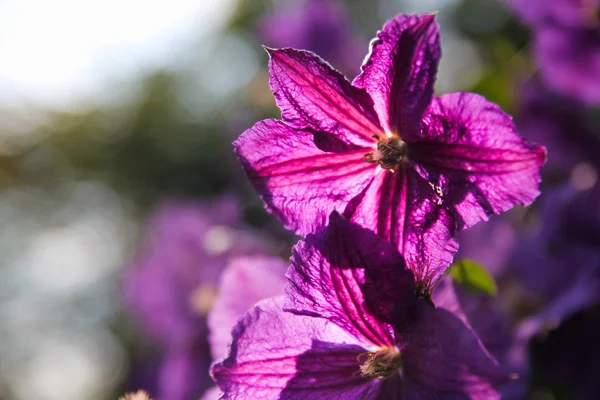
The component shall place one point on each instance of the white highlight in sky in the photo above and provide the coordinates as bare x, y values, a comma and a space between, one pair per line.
59, 50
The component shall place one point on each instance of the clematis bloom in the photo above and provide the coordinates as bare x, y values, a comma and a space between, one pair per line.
351, 327
383, 150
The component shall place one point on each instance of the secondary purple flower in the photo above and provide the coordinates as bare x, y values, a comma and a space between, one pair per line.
353, 329
172, 284
320, 26
566, 43
384, 151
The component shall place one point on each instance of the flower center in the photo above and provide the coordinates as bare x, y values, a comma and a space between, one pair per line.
389, 154
382, 364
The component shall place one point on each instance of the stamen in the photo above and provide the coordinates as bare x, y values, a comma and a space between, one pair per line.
389, 154
382, 364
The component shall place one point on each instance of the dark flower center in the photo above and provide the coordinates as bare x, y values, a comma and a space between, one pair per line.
382, 364
390, 153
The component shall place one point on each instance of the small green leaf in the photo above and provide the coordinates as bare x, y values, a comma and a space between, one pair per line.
473, 277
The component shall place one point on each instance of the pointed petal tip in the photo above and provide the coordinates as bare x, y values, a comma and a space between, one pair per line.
335, 217
269, 50
427, 20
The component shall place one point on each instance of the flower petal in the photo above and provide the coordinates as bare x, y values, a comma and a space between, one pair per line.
280, 355
445, 356
245, 281
300, 183
348, 275
476, 311
402, 208
400, 71
470, 150
311, 94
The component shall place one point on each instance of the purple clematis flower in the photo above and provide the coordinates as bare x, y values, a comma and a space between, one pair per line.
568, 246
384, 151
353, 329
172, 284
320, 26
566, 43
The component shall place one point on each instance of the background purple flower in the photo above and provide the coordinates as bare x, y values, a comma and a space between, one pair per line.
173, 282
562, 125
566, 44
550, 270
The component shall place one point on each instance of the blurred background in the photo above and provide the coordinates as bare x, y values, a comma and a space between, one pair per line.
109, 109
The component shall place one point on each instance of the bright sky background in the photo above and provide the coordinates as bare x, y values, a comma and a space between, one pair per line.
54, 52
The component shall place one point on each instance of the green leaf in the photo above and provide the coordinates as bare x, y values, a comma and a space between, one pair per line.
473, 277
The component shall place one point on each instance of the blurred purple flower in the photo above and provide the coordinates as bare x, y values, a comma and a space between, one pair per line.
353, 328
409, 166
320, 26
172, 283
566, 43
545, 275
561, 125
559, 264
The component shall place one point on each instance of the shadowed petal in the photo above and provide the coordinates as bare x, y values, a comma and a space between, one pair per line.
445, 356
265, 358
478, 312
300, 183
311, 94
400, 71
472, 152
402, 208
329, 279
245, 281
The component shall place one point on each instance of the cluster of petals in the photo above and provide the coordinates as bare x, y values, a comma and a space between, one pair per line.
385, 152
350, 327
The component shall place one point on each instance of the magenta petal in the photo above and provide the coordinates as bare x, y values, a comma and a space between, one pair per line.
311, 94
333, 276
470, 149
245, 281
445, 356
277, 355
299, 182
402, 208
400, 71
